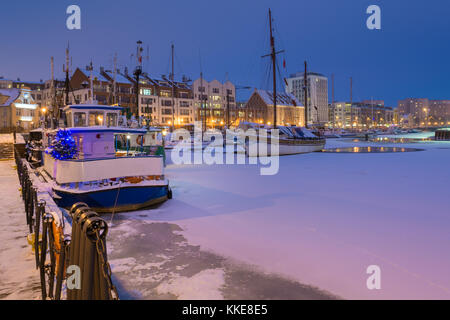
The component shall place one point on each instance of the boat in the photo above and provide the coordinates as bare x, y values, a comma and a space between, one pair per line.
108, 167
290, 139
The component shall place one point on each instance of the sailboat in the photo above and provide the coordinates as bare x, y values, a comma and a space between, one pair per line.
291, 139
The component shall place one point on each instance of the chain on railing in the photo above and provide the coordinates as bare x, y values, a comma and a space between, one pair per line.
55, 252
89, 253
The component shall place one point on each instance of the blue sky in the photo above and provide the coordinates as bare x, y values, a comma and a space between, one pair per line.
408, 57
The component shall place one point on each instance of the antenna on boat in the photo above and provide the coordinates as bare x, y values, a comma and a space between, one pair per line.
66, 68
90, 68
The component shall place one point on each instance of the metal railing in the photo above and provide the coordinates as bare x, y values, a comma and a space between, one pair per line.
55, 252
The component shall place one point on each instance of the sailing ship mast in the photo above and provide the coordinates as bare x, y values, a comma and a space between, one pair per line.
273, 55
305, 88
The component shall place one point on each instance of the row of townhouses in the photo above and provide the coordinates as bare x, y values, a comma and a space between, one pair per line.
166, 102
161, 101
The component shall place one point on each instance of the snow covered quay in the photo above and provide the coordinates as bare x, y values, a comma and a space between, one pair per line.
320, 222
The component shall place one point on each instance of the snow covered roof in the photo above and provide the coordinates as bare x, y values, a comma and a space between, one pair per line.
119, 77
98, 76
12, 95
285, 99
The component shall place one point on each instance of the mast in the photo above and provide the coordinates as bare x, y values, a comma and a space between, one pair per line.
67, 74
172, 78
202, 106
305, 88
138, 72
351, 102
273, 55
114, 79
67, 85
332, 100
91, 83
52, 85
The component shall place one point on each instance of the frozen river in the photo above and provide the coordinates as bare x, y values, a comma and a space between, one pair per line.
308, 232
321, 221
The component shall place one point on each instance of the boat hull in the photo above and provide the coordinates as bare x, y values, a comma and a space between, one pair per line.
104, 201
290, 148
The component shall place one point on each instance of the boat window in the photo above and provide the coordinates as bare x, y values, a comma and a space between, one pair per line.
95, 118
79, 119
111, 119
69, 119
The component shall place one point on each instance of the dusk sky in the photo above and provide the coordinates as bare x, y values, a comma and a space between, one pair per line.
408, 57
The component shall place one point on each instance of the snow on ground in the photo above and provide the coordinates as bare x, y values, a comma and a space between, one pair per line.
324, 218
19, 278
6, 138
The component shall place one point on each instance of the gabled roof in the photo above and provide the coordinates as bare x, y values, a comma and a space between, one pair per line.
284, 99
97, 76
120, 78
11, 94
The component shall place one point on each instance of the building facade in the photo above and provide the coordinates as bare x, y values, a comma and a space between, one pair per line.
214, 102
19, 111
317, 95
360, 115
166, 102
422, 112
260, 109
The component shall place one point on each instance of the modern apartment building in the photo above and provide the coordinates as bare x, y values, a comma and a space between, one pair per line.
317, 95
359, 115
422, 112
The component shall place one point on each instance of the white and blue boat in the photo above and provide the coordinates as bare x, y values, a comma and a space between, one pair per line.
110, 168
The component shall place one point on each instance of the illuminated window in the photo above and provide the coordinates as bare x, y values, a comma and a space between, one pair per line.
95, 118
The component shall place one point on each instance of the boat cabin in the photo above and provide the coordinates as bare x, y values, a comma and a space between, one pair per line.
97, 133
104, 150
92, 115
